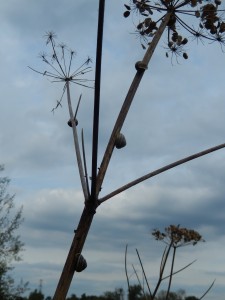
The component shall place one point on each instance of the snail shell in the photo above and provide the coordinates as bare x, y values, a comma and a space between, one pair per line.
70, 122
120, 141
81, 263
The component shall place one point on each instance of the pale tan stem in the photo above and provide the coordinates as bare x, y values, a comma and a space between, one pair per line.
76, 144
141, 67
158, 171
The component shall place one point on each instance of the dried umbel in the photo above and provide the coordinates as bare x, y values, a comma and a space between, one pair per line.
177, 236
209, 16
81, 263
60, 66
120, 141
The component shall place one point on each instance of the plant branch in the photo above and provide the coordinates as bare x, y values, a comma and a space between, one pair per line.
76, 247
141, 67
162, 268
171, 272
178, 271
160, 170
85, 164
97, 100
128, 283
76, 144
208, 290
146, 280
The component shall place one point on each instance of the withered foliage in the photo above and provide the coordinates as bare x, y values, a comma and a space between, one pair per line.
177, 236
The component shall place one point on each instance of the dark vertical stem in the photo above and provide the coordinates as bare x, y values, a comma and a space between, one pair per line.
141, 67
97, 98
171, 272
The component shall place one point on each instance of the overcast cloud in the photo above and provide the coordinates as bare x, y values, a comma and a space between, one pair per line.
178, 110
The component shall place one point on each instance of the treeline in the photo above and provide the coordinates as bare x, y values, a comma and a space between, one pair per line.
135, 293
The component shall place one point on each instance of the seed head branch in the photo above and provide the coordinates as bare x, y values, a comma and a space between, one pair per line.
160, 170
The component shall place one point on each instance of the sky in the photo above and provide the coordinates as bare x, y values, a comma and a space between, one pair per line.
178, 110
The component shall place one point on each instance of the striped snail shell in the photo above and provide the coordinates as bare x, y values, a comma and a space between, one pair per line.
120, 141
81, 263
70, 122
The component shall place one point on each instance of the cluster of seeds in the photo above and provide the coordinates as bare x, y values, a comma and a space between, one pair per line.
211, 25
177, 236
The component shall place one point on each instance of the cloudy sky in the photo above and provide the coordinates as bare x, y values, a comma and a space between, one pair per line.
178, 110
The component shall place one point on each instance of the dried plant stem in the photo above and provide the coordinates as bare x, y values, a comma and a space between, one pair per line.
97, 100
171, 272
89, 209
206, 292
128, 100
128, 283
143, 271
76, 247
76, 144
85, 164
178, 271
162, 268
161, 170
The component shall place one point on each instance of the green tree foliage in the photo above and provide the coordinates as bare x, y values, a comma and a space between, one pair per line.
10, 244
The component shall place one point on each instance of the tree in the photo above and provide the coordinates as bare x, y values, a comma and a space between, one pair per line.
10, 243
135, 292
36, 295
157, 18
117, 294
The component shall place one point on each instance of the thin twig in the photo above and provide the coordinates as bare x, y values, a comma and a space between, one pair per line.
76, 144
146, 280
178, 271
162, 268
139, 282
208, 289
84, 160
161, 170
128, 283
78, 104
171, 272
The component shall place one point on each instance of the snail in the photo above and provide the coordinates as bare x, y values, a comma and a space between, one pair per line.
140, 66
120, 141
70, 122
81, 263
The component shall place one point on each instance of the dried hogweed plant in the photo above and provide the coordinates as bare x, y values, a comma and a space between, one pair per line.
174, 237
60, 69
60, 63
177, 14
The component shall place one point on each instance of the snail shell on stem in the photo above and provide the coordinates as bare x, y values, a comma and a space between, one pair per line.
120, 141
81, 263
70, 122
